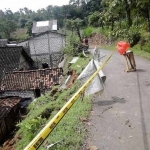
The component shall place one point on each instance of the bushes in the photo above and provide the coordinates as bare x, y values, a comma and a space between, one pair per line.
71, 129
131, 35
72, 41
87, 32
93, 19
145, 43
90, 30
31, 126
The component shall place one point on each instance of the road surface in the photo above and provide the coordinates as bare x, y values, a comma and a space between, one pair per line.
120, 119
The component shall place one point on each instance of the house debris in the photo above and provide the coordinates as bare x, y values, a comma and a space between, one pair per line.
73, 60
9, 110
72, 76
23, 84
18, 82
30, 80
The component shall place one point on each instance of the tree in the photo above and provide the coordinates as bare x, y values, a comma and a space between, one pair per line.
144, 8
94, 19
78, 2
75, 25
29, 25
119, 8
7, 25
128, 11
23, 22
92, 6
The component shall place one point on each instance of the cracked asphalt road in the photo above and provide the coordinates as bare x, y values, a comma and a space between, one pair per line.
120, 119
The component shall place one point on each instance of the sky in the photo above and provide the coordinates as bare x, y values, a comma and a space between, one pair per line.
14, 5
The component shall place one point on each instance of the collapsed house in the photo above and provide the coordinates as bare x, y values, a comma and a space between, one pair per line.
9, 111
30, 83
18, 89
28, 69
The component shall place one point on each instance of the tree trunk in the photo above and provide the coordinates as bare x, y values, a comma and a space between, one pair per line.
112, 25
148, 18
128, 13
78, 33
101, 24
7, 35
137, 18
119, 21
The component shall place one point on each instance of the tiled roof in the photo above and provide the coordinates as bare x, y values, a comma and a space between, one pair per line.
29, 80
10, 57
6, 104
41, 29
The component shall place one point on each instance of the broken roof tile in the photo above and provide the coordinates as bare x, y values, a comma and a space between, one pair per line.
29, 80
6, 104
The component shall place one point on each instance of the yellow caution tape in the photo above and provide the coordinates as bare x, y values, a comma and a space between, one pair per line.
42, 135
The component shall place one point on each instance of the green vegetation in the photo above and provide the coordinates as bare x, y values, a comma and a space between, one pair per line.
71, 130
116, 19
7, 25
88, 31
83, 62
71, 44
136, 49
19, 34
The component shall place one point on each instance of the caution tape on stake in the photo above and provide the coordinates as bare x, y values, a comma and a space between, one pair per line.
42, 135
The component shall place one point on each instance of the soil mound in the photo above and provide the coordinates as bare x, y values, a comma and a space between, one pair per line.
98, 39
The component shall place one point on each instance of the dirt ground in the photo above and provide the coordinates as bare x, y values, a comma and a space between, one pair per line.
120, 117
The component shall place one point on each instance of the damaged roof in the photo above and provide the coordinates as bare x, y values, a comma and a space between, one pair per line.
31, 79
10, 57
6, 104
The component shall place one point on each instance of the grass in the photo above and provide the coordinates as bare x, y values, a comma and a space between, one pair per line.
80, 66
91, 30
136, 49
71, 130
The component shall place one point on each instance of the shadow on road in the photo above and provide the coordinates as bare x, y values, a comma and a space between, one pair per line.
114, 100
140, 70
